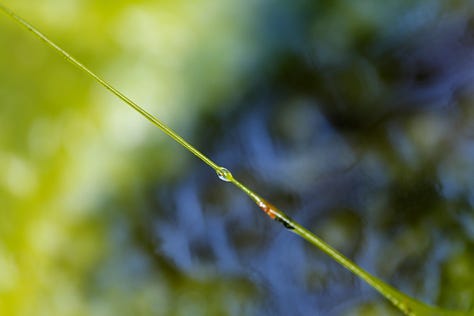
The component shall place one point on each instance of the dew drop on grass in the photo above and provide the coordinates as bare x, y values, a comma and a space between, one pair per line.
224, 174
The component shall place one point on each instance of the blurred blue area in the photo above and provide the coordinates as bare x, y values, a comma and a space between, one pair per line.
361, 128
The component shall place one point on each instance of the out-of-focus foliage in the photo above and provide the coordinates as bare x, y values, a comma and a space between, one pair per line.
66, 144
354, 116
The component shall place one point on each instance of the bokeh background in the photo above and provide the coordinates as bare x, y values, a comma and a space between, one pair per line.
356, 117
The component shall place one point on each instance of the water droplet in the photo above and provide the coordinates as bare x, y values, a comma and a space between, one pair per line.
224, 174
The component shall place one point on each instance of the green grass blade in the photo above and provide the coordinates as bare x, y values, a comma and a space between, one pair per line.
406, 304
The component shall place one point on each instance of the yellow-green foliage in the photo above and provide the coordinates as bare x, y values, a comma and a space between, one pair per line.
65, 143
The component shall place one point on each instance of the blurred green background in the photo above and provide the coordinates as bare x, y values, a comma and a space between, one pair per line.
356, 117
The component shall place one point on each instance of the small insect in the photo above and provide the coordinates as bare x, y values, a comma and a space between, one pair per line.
275, 214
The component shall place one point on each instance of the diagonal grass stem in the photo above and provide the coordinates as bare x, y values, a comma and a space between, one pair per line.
403, 302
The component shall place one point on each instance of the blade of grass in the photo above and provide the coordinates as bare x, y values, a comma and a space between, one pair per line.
406, 304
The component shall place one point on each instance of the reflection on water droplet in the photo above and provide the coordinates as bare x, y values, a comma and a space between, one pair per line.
224, 174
